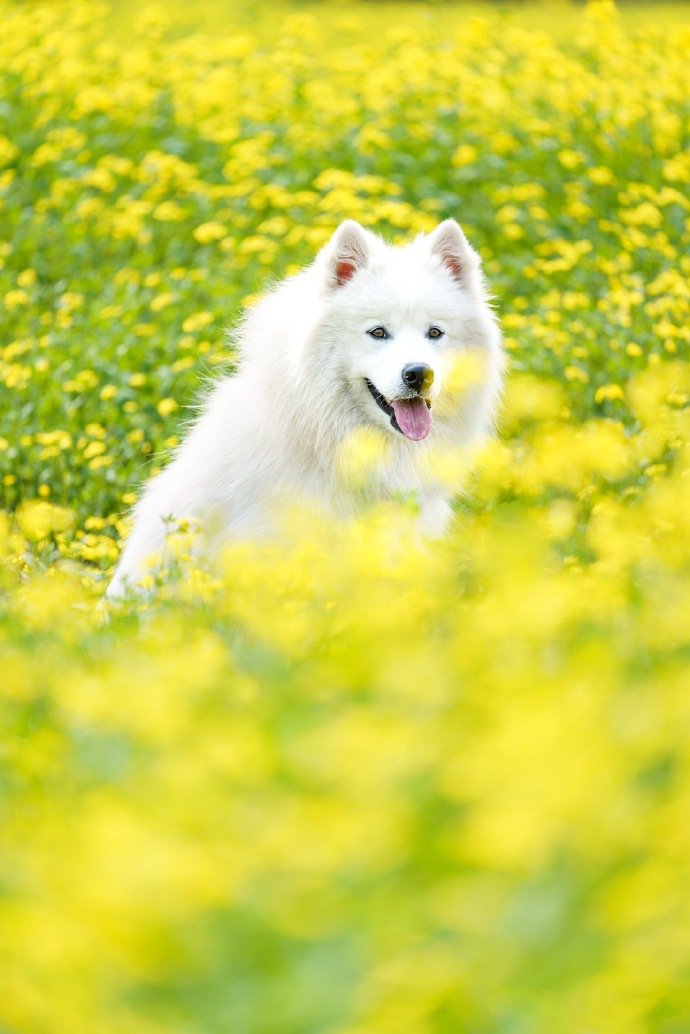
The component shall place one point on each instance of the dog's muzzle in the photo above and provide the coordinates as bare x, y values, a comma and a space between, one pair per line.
410, 416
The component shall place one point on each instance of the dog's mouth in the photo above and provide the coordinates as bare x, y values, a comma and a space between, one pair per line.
410, 416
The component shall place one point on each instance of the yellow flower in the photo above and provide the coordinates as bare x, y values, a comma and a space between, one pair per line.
197, 321
27, 278
609, 393
166, 406
162, 301
94, 449
170, 212
601, 175
13, 299
8, 151
465, 154
208, 232
570, 159
38, 520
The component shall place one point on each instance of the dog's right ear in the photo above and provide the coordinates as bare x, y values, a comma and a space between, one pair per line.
348, 252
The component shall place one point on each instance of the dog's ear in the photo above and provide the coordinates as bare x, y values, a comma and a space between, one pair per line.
348, 252
449, 244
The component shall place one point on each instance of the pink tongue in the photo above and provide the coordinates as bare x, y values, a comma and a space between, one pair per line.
413, 417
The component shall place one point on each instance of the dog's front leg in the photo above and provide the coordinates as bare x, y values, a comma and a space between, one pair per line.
435, 516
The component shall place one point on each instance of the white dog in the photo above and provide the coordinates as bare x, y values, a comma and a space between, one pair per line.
365, 337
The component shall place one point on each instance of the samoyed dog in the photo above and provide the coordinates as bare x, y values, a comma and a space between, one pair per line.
367, 337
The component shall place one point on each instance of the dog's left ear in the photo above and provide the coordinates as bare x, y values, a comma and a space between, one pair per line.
449, 244
348, 252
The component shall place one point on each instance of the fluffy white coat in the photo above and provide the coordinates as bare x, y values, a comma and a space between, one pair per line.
314, 367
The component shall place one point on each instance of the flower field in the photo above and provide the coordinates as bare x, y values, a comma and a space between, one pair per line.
360, 785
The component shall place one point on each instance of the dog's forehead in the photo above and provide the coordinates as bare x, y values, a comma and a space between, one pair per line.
401, 284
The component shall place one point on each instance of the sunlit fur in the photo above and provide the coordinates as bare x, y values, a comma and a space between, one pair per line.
269, 435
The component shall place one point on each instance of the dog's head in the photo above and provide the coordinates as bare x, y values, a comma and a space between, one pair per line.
399, 319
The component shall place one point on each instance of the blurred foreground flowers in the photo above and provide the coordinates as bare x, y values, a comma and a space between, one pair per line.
361, 783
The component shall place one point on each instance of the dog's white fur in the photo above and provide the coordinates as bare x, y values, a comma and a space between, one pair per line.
270, 433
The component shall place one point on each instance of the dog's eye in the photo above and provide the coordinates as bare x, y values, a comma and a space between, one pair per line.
378, 332
434, 333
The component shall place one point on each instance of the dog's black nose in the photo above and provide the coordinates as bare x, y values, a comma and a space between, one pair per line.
418, 376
